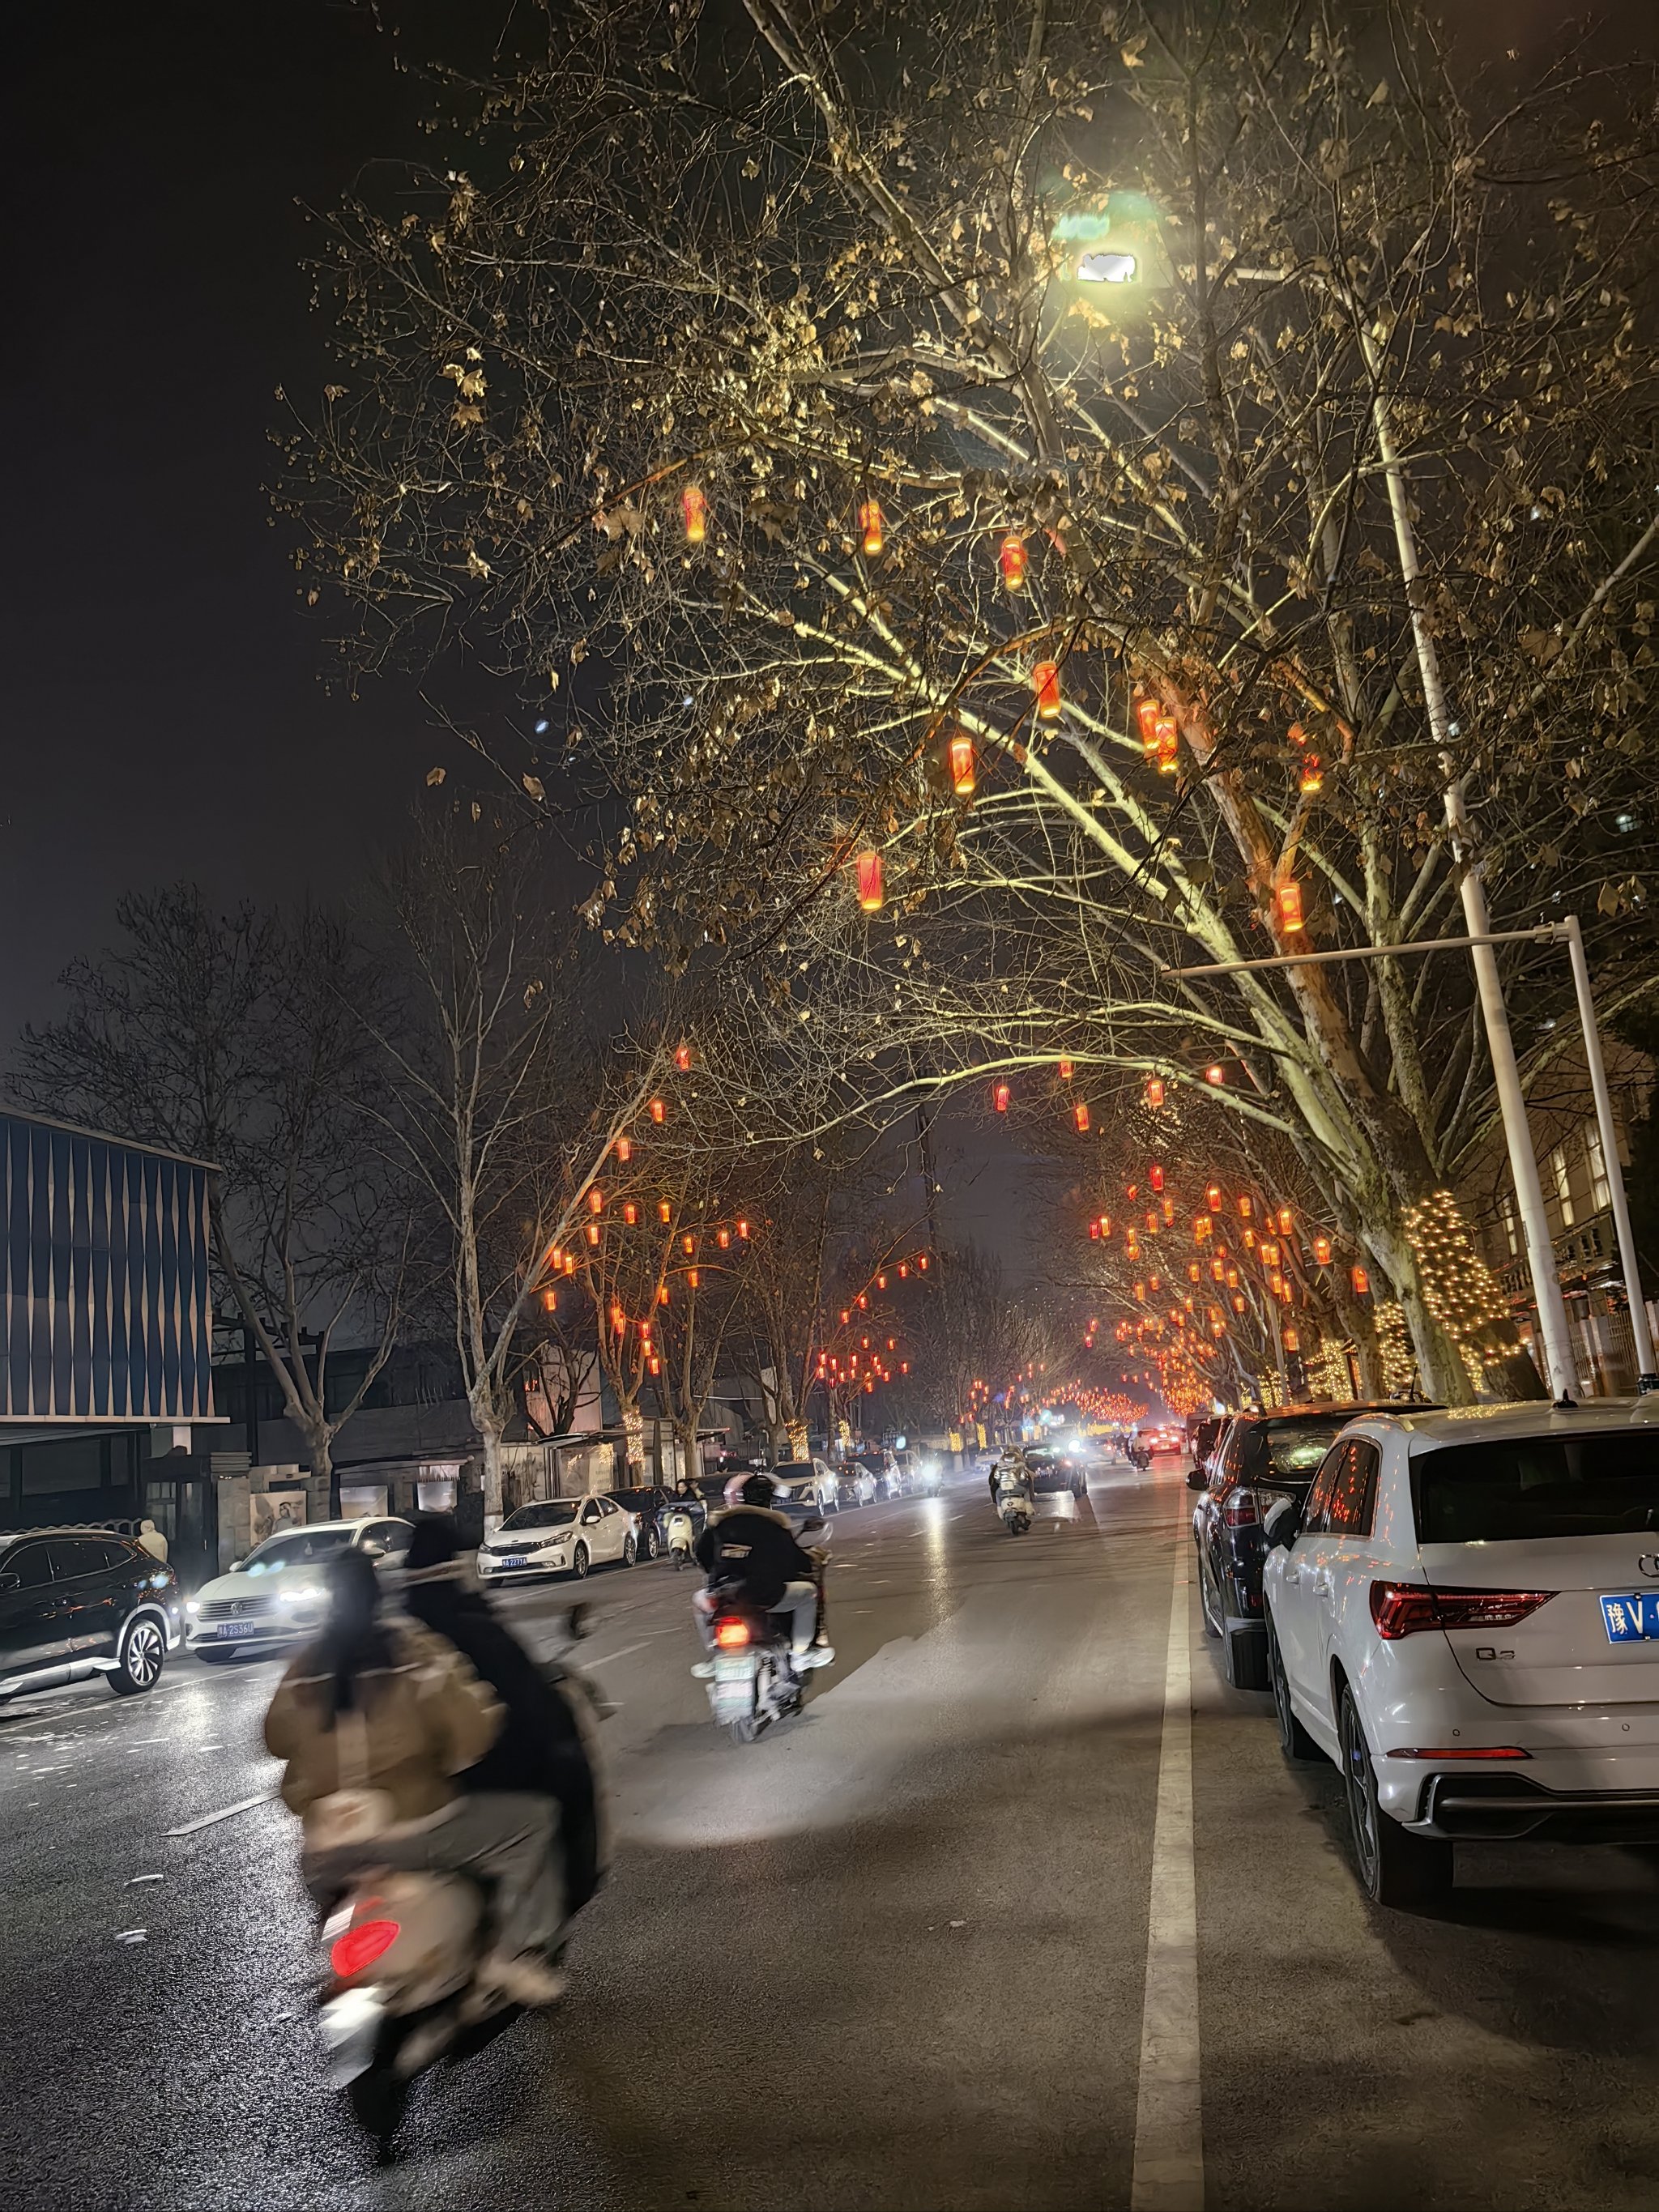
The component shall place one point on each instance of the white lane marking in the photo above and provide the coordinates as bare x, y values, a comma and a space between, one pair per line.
627, 1650
1168, 2174
225, 1812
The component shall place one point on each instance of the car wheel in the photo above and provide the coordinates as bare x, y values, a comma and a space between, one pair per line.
653, 1544
579, 1562
1298, 1745
1395, 1868
629, 1551
1208, 1603
142, 1655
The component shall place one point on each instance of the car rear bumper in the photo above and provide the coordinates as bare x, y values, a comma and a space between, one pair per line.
1508, 1807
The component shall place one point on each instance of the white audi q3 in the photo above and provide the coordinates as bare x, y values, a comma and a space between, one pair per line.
1464, 1615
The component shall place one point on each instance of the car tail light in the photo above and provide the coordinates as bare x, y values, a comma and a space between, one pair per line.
1463, 1751
1404, 1608
731, 1635
359, 1947
1240, 1511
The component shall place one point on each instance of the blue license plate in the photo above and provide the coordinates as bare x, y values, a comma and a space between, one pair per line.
1632, 1619
505, 1566
240, 1628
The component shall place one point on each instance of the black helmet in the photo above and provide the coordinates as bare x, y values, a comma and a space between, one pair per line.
758, 1489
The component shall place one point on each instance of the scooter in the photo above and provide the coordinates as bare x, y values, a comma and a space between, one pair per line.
1014, 1504
401, 1951
755, 1680
681, 1533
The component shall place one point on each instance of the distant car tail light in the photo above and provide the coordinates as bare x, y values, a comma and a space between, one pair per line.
731, 1635
359, 1947
1463, 1751
1405, 1609
1240, 1511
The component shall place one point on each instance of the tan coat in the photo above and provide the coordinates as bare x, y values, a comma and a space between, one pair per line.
426, 1718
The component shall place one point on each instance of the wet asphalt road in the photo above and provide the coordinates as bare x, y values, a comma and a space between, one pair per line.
894, 1955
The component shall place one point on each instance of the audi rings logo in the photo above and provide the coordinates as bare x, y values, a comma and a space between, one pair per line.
1648, 1563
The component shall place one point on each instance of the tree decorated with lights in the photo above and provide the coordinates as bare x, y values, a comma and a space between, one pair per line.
931, 477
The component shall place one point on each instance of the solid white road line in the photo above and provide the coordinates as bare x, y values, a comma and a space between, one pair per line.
225, 1812
1168, 2174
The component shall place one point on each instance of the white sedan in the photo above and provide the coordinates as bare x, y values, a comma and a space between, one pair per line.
1464, 1615
559, 1536
279, 1593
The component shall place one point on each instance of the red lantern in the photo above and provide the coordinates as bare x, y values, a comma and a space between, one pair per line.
1080, 1116
922, 1261
550, 1301
1169, 744
659, 1110
1012, 555
656, 1364
1094, 1231
1286, 1221
1212, 1198
724, 1240
593, 1233
870, 892
664, 1211
1147, 711
1000, 1096
1105, 1225
1292, 1342
662, 1294
743, 1229
695, 507
688, 1245
1245, 1209
596, 1200
1288, 897
691, 1277
1155, 1176
1361, 1281
1045, 682
1155, 1091
1065, 1070
870, 524
630, 1214
1215, 1073
624, 1149
682, 1058
1322, 1251
962, 778
1312, 778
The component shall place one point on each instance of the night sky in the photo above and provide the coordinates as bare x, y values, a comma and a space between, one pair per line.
165, 716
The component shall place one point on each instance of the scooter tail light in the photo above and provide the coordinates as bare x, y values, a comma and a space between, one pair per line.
1406, 1608
361, 1945
731, 1635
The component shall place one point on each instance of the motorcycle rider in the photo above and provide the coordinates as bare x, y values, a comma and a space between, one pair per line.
374, 1720
1011, 1477
751, 1553
541, 1750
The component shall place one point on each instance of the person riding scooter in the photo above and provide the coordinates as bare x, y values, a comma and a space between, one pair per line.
375, 1720
751, 1553
541, 1749
1011, 1485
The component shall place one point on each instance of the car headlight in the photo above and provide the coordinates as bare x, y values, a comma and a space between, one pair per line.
191, 1606
299, 1593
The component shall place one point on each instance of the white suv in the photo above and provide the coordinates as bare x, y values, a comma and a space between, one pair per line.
1464, 1615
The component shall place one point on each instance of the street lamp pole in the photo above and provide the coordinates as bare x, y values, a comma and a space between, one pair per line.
1506, 1075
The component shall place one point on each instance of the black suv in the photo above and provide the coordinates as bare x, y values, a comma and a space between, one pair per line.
1262, 1458
78, 1601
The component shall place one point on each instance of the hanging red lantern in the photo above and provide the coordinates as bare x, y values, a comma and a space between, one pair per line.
630, 1214
1288, 898
662, 1294
724, 1240
922, 1261
688, 1245
1215, 1073
1212, 1198
1080, 1116
962, 778
1361, 1281
593, 1233
1045, 683
1000, 1096
683, 1057
659, 1110
1292, 1342
656, 1364
1147, 711
1218, 1269
1065, 1070
1105, 1225
1094, 1231
695, 507
1286, 1221
550, 1301
870, 522
1155, 1176
1245, 1209
691, 1277
1169, 744
664, 1211
1155, 1091
1322, 1251
743, 1228
870, 890
596, 1200
1312, 778
1012, 555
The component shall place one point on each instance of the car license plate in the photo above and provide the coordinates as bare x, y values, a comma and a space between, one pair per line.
516, 1560
239, 1628
1632, 1619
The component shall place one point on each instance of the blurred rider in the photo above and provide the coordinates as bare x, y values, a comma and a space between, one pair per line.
751, 1553
374, 1720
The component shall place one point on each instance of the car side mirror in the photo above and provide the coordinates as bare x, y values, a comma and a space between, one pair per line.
238, 1567
11, 1581
1197, 1478
1283, 1525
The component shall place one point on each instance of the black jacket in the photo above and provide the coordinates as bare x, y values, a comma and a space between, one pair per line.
755, 1551
540, 1748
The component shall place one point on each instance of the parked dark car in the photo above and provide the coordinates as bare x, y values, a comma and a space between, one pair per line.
1262, 1458
80, 1601
648, 1505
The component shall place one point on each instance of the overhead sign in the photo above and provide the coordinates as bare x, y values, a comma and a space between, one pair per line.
106, 1303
